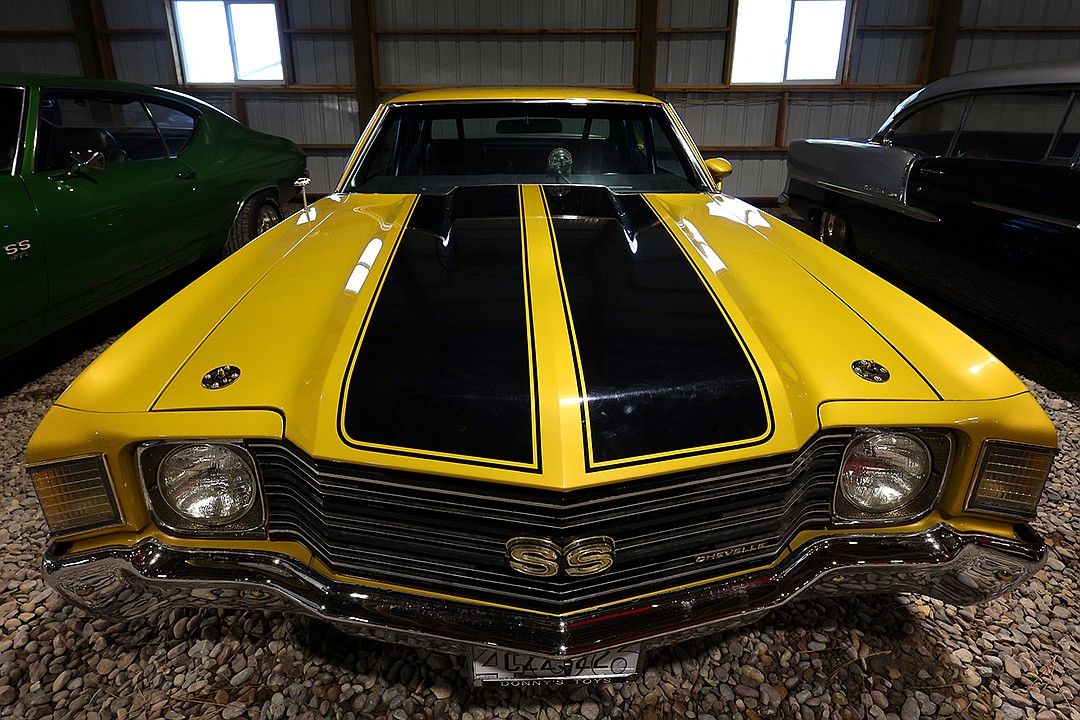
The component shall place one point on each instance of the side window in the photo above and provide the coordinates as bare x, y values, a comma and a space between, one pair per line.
176, 126
667, 160
77, 125
1065, 147
651, 144
1017, 126
11, 109
929, 130
380, 159
445, 129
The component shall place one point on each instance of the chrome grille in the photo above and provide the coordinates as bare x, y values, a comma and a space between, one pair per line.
447, 535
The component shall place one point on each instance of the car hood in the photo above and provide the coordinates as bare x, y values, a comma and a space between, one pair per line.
556, 336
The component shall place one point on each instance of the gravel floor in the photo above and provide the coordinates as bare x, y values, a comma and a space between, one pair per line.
893, 657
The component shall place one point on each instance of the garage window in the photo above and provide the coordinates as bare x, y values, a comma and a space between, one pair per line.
779, 41
228, 41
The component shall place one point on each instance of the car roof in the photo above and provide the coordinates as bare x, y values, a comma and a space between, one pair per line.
523, 93
1061, 72
32, 79
80, 83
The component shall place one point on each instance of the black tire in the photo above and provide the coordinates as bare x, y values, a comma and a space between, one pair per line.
833, 230
258, 214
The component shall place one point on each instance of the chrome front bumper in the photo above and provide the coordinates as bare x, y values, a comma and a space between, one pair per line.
959, 568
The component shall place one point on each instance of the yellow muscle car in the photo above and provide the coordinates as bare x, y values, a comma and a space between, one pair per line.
529, 387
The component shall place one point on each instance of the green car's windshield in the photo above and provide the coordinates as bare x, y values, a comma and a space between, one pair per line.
435, 147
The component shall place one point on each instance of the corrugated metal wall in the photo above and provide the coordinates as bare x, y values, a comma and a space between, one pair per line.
427, 58
981, 46
39, 53
422, 43
473, 14
490, 60
140, 57
692, 58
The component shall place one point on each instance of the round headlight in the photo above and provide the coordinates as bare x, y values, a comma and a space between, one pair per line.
884, 472
209, 484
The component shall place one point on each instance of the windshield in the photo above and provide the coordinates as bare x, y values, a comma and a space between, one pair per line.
435, 147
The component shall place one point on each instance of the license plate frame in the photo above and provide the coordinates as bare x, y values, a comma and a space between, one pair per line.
492, 666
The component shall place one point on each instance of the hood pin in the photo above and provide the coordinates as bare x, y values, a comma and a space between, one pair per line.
219, 377
870, 370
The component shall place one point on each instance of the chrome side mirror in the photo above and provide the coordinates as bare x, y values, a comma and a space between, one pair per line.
82, 160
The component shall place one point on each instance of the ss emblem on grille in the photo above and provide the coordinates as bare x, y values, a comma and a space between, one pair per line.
541, 557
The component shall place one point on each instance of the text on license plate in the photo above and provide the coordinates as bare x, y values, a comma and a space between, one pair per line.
506, 667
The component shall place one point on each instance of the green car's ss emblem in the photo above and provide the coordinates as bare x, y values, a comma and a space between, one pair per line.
17, 250
541, 557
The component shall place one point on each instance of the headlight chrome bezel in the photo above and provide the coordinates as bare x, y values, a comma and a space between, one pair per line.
150, 457
940, 446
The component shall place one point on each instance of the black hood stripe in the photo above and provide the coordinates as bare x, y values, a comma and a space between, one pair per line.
444, 365
663, 370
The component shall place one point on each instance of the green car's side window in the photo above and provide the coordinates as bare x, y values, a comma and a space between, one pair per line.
175, 126
75, 124
72, 128
11, 109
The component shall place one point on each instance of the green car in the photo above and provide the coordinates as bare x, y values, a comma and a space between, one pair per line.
107, 186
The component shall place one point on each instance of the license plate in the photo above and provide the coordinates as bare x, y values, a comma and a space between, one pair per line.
505, 667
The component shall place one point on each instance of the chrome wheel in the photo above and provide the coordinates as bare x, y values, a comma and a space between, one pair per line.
833, 230
257, 215
268, 217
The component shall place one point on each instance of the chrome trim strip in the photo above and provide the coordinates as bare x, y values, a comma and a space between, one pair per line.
20, 142
131, 582
1060, 222
899, 205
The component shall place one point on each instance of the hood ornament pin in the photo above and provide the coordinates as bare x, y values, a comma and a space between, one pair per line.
219, 377
870, 371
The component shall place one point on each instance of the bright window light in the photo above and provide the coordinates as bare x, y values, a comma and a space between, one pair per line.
788, 40
817, 33
761, 33
257, 58
204, 42
226, 42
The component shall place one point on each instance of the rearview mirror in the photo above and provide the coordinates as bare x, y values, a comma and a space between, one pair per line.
527, 126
